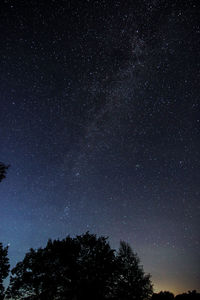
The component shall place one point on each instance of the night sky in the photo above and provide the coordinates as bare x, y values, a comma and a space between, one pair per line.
100, 122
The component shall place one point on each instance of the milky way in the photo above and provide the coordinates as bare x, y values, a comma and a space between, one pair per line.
100, 124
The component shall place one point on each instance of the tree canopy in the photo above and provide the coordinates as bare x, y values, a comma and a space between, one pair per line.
84, 267
163, 296
166, 295
4, 267
132, 282
3, 170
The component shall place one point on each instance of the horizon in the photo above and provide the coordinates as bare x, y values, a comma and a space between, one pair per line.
156, 289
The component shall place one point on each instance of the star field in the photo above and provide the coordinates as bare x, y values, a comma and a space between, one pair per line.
100, 123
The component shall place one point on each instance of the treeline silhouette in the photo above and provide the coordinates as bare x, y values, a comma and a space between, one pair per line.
166, 295
84, 267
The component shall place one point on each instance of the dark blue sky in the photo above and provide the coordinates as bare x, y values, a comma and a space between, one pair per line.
100, 122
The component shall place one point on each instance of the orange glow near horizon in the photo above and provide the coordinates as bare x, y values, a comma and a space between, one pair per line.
173, 287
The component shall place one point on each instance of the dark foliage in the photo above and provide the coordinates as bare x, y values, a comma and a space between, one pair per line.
84, 267
3, 169
131, 281
163, 296
191, 295
4, 267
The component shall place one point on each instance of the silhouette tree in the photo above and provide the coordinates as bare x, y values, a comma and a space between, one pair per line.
163, 296
4, 261
76, 268
84, 267
3, 169
191, 295
45, 273
96, 265
4, 268
132, 282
